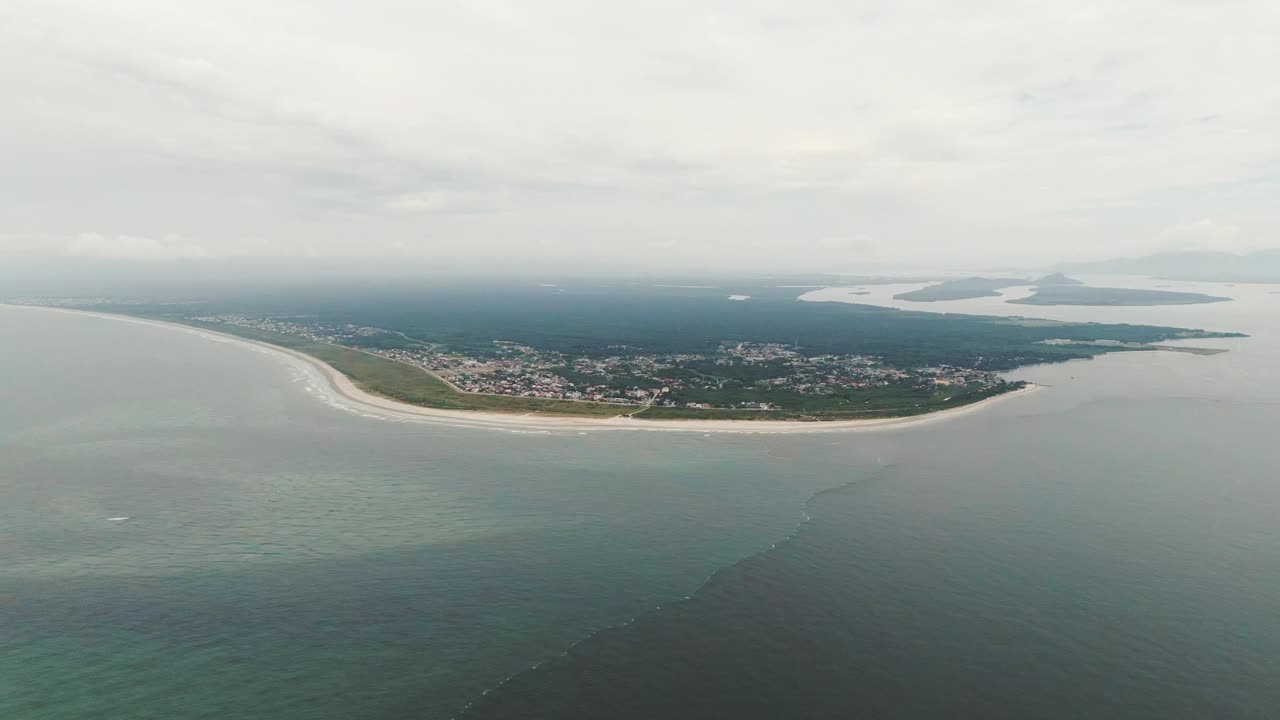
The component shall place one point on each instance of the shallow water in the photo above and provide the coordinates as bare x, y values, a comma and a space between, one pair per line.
1103, 547
285, 559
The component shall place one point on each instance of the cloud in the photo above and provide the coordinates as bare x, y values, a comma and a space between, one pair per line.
14, 244
130, 247
436, 201
1007, 129
1205, 234
859, 242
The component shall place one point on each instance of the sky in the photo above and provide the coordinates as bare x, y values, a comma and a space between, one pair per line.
588, 134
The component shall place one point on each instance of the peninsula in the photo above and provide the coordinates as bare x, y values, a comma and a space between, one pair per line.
652, 352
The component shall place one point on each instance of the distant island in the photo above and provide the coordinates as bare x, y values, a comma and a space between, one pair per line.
963, 289
978, 287
643, 351
1054, 289
1102, 296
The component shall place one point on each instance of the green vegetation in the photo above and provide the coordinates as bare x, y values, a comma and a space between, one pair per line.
875, 402
415, 386
588, 319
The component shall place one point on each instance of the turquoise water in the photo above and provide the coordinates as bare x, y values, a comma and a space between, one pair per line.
1104, 547
285, 559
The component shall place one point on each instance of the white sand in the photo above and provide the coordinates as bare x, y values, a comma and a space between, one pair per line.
341, 386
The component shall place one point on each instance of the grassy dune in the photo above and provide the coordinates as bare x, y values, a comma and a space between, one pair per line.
880, 403
413, 385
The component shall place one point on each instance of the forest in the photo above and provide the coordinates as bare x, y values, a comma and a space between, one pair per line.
594, 318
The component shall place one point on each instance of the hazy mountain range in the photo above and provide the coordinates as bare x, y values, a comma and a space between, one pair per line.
1260, 266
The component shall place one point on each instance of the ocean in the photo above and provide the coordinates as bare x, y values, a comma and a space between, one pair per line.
190, 528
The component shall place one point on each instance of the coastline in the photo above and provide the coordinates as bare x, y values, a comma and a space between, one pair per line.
352, 397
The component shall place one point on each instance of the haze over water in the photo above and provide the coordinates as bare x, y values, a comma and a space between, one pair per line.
1104, 547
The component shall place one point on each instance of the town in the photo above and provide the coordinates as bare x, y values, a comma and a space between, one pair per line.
733, 375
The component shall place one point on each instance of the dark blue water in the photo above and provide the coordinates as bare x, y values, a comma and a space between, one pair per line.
1107, 548
1116, 570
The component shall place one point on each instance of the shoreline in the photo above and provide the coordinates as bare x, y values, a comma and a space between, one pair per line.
346, 391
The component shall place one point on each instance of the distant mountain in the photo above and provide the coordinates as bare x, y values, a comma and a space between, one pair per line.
1057, 279
1261, 266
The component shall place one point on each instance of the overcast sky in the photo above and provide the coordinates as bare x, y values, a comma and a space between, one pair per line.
748, 135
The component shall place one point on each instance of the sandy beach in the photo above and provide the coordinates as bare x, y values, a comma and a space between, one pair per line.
341, 391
